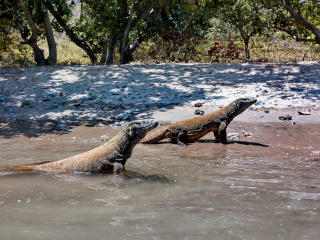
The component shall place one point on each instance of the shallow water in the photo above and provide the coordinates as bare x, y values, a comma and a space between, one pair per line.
265, 187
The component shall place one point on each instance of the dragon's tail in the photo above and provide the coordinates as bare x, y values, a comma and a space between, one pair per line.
155, 136
28, 167
23, 167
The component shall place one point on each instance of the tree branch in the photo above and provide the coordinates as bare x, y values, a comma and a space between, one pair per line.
8, 10
192, 15
203, 6
294, 36
301, 20
31, 23
147, 11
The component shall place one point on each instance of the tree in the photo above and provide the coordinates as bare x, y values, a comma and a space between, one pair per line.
61, 11
103, 25
300, 19
126, 23
246, 17
123, 29
32, 21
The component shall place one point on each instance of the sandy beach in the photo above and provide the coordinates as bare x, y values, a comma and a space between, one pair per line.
167, 92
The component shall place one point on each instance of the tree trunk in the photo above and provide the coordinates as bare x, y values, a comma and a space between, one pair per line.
246, 46
126, 52
52, 59
32, 41
166, 20
125, 36
246, 38
73, 37
127, 56
111, 47
121, 13
104, 53
38, 53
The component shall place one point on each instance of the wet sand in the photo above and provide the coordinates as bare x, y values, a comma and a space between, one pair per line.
59, 137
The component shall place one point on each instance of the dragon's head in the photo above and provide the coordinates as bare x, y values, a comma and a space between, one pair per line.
137, 130
240, 105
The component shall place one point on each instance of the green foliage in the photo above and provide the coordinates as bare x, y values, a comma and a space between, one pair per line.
68, 52
280, 17
94, 22
277, 47
12, 53
195, 26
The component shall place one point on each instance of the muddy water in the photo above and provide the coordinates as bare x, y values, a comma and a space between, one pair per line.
265, 187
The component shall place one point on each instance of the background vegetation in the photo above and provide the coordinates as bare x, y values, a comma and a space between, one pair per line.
51, 32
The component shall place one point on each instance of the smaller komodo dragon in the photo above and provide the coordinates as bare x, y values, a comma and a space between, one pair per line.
109, 157
195, 128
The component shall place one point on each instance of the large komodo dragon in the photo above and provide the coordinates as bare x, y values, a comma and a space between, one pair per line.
109, 157
195, 128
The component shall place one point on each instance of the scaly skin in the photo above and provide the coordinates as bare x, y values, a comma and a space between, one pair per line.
195, 128
109, 157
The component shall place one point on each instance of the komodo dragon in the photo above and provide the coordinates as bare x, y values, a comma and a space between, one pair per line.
109, 157
195, 128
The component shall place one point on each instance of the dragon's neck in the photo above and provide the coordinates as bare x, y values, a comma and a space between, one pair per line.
232, 110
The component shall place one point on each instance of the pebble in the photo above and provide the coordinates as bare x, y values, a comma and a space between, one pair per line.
26, 104
198, 112
304, 113
198, 104
246, 134
133, 111
118, 124
233, 135
286, 117
51, 94
123, 116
